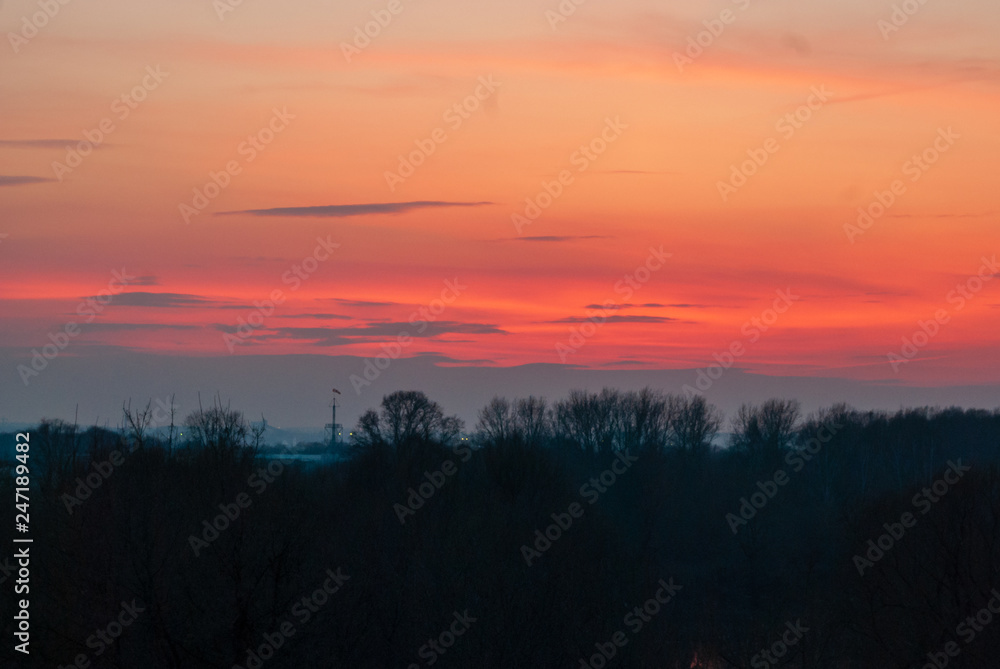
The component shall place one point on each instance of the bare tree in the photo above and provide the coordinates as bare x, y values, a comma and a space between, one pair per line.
496, 422
590, 421
693, 423
222, 431
406, 417
527, 420
172, 428
137, 423
765, 428
533, 419
644, 420
369, 431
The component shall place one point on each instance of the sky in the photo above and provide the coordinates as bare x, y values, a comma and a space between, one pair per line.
789, 191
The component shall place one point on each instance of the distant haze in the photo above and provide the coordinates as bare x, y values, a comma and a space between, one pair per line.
295, 390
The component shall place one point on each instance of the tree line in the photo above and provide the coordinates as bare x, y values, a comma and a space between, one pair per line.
841, 538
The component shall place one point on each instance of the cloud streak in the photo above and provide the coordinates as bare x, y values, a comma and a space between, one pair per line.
320, 317
159, 300
345, 210
374, 332
22, 181
619, 319
38, 143
131, 327
559, 238
364, 303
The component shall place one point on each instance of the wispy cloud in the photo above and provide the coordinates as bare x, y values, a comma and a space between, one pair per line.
320, 317
364, 303
128, 327
630, 172
39, 143
558, 238
619, 319
956, 215
373, 332
624, 362
439, 358
345, 210
160, 300
393, 329
21, 181
629, 305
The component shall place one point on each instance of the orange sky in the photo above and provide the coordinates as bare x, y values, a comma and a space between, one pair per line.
335, 128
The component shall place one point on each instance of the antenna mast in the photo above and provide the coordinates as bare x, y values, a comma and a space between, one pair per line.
335, 428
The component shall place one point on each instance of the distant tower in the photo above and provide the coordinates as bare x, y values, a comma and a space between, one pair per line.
335, 428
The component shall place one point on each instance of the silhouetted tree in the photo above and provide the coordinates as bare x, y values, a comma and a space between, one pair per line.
425, 526
765, 428
693, 424
496, 423
407, 417
533, 419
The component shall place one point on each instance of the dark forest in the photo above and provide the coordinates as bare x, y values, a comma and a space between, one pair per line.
628, 529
